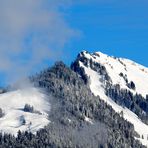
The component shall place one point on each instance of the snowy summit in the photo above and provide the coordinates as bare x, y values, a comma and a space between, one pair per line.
126, 74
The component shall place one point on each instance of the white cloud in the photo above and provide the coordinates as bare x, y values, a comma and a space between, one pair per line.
37, 27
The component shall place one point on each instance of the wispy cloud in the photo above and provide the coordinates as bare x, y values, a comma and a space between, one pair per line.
31, 31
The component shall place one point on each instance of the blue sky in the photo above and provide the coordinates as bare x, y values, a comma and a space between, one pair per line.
58, 30
118, 28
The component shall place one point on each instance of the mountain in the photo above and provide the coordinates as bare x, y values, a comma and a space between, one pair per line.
99, 101
121, 83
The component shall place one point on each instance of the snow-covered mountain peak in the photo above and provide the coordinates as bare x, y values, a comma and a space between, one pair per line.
103, 72
121, 71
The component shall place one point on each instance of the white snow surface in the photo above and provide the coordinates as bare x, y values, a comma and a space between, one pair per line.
135, 72
88, 120
114, 66
12, 104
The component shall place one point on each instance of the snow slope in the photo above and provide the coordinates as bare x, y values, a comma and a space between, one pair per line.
114, 66
12, 104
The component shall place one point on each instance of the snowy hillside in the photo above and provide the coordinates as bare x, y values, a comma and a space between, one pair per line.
121, 71
15, 118
131, 70
63, 98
